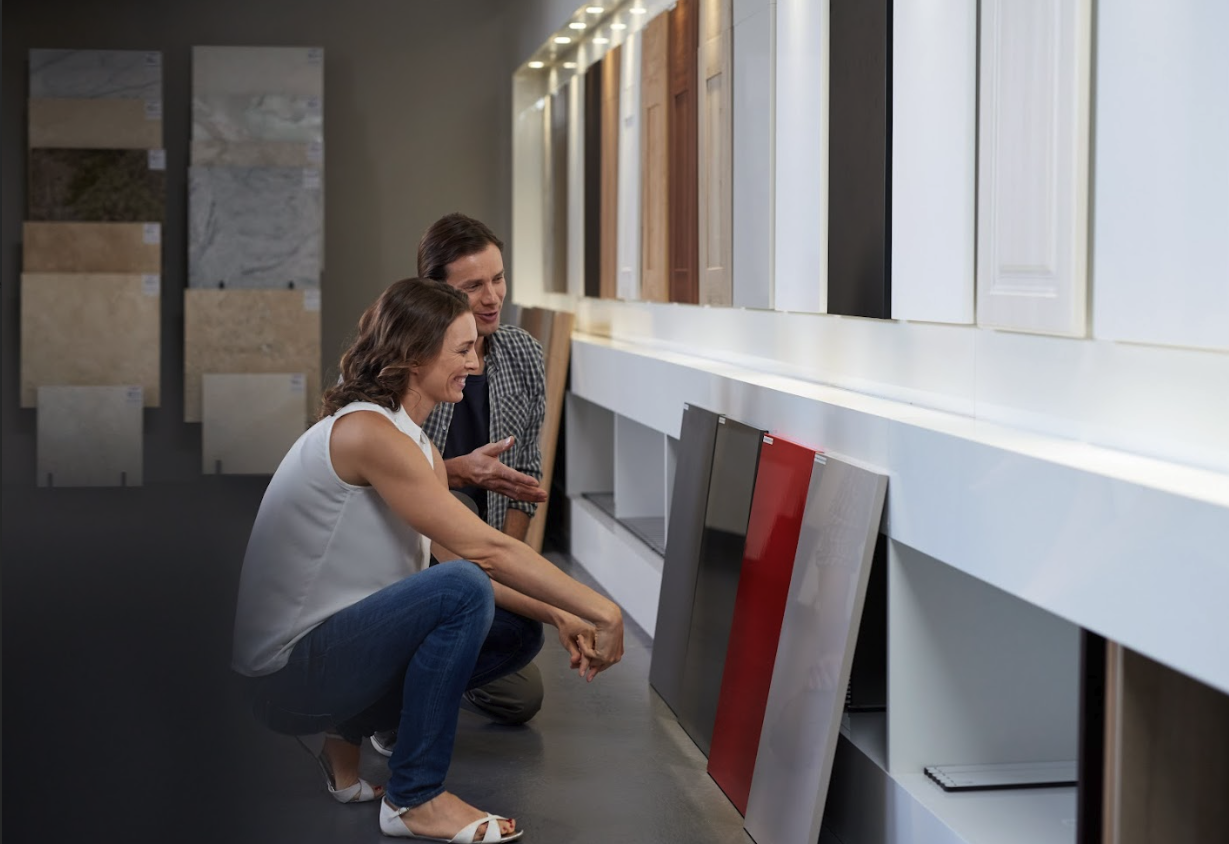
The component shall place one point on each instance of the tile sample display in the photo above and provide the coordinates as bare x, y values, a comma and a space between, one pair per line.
94, 124
91, 74
92, 247
593, 179
684, 183
630, 165
293, 71
90, 436
716, 140
751, 156
1032, 232
96, 185
819, 633
254, 227
655, 172
250, 331
781, 486
859, 155
934, 160
82, 329
1160, 264
688, 505
265, 117
611, 69
736, 455
801, 196
250, 421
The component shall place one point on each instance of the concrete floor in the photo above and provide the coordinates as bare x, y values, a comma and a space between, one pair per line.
121, 723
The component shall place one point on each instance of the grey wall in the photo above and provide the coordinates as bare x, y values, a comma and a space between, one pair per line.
417, 123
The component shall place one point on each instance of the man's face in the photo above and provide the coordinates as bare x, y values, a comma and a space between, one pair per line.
481, 277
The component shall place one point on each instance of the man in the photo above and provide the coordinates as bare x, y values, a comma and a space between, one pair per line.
489, 440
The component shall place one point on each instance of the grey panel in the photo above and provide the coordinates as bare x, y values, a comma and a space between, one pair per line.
688, 503
818, 637
736, 456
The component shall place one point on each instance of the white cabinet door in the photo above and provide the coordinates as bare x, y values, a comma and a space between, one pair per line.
753, 131
576, 186
1033, 179
715, 142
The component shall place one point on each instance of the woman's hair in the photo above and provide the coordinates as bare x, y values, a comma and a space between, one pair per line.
451, 237
402, 329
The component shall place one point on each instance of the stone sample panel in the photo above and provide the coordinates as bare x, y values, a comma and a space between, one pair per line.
90, 436
250, 421
92, 247
258, 70
96, 185
94, 124
94, 74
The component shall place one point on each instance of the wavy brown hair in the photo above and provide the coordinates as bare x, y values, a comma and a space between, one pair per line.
402, 329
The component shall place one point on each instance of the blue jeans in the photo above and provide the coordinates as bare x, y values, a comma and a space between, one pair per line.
400, 659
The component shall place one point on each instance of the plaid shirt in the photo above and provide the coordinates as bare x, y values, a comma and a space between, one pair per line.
516, 375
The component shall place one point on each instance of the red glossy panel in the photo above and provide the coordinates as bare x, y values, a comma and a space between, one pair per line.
780, 496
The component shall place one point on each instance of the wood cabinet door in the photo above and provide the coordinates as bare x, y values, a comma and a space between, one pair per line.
654, 150
611, 66
715, 171
682, 173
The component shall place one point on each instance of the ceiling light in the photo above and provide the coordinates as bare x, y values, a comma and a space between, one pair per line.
576, 25
563, 39
595, 10
600, 40
618, 26
570, 65
639, 10
537, 65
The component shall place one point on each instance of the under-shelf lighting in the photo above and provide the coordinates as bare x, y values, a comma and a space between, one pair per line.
601, 40
569, 65
595, 10
563, 39
576, 25
537, 65
618, 26
639, 10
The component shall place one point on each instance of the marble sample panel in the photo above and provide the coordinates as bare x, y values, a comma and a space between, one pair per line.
96, 74
257, 117
90, 436
91, 247
258, 70
250, 421
819, 632
250, 331
83, 329
96, 185
94, 124
254, 227
222, 153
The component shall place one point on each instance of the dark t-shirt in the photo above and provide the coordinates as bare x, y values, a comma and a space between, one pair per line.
470, 429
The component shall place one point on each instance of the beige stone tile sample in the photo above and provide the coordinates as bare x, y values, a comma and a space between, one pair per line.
92, 247
258, 70
223, 153
250, 421
250, 331
86, 329
94, 124
90, 436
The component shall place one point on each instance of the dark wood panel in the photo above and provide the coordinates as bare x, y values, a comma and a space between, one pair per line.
684, 153
593, 180
556, 224
859, 160
610, 174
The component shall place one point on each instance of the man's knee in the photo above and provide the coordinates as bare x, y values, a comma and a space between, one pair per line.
512, 699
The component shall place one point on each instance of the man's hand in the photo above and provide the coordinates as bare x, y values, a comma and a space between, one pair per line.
481, 468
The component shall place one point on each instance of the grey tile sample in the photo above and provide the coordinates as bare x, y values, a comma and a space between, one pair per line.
818, 638
219, 153
250, 421
96, 186
257, 117
90, 436
688, 504
90, 74
254, 227
258, 70
736, 455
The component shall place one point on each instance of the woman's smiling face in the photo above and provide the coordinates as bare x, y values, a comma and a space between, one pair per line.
442, 379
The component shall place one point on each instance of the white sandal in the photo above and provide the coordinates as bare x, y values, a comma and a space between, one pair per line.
392, 825
361, 792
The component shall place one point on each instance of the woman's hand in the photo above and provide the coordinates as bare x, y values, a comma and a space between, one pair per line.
607, 646
574, 634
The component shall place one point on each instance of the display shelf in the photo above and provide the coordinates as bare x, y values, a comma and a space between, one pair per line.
628, 569
590, 437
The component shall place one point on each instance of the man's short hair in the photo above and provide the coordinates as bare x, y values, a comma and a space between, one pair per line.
451, 237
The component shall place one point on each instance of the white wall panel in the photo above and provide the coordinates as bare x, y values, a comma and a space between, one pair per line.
1033, 160
629, 170
576, 186
801, 220
1161, 267
934, 159
528, 190
753, 152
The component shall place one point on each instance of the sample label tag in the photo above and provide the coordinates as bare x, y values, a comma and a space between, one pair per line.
152, 233
819, 458
157, 159
153, 109
767, 440
315, 152
315, 55
136, 395
153, 59
721, 421
313, 105
151, 284
311, 179
298, 383
311, 299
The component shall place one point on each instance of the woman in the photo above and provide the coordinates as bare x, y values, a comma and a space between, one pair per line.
342, 625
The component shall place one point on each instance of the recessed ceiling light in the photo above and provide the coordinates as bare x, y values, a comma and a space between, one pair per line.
563, 39
537, 65
576, 25
600, 40
618, 26
595, 10
639, 10
570, 65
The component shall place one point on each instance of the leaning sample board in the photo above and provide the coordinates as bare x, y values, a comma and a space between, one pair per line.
781, 487
554, 332
736, 454
688, 504
818, 636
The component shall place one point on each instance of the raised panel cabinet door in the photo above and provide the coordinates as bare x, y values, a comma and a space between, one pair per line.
859, 149
781, 485
655, 147
593, 180
688, 504
630, 167
1032, 218
715, 172
611, 67
683, 173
